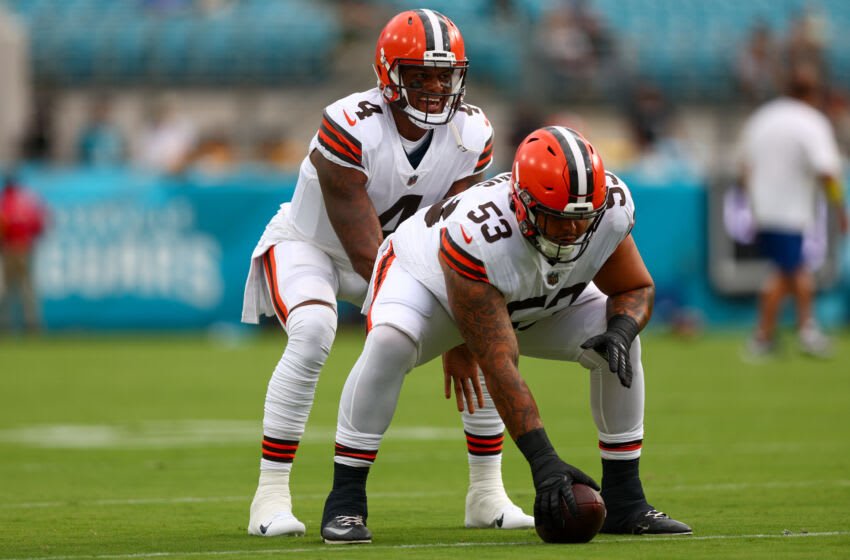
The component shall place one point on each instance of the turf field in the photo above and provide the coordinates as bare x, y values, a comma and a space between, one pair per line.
136, 447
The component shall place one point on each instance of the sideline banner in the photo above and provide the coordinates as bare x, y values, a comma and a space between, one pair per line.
128, 250
136, 251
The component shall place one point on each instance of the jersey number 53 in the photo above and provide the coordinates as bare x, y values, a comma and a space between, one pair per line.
493, 225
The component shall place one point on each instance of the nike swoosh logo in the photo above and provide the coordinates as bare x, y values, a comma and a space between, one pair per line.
466, 237
264, 528
351, 121
500, 521
336, 531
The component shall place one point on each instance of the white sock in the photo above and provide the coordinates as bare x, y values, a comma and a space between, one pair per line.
485, 473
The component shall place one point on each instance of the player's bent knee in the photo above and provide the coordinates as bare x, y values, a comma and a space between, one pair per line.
391, 346
311, 330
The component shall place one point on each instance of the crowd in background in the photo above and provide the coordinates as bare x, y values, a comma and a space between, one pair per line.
577, 60
168, 142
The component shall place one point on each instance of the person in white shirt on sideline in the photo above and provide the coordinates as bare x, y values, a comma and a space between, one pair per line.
789, 153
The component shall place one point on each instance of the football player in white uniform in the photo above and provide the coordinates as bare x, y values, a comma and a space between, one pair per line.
377, 158
539, 261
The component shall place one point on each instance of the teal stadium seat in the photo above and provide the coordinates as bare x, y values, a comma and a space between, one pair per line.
688, 46
169, 48
117, 42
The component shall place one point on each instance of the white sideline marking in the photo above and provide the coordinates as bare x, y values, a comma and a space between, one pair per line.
176, 434
182, 433
327, 549
392, 495
722, 486
196, 500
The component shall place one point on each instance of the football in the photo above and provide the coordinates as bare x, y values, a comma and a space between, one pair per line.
580, 529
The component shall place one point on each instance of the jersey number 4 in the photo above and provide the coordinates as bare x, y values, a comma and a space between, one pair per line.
404, 208
367, 109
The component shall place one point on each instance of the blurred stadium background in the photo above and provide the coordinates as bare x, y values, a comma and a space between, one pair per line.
163, 134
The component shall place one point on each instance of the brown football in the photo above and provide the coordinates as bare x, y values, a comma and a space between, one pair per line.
580, 529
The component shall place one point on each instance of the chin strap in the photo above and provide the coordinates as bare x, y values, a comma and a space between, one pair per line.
458, 139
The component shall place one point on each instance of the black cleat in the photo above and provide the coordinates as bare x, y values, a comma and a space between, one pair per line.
652, 522
346, 529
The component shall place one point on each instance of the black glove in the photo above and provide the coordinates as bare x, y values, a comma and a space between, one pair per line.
553, 478
614, 345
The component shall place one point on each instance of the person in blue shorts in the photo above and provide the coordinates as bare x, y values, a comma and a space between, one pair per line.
788, 153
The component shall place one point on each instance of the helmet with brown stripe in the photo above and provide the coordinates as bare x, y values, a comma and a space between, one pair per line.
421, 64
559, 192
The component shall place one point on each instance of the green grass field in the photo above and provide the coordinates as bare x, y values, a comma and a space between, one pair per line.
137, 447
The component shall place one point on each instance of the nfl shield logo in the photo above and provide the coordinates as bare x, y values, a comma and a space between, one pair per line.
412, 180
552, 278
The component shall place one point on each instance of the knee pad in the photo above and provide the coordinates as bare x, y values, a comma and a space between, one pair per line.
291, 389
311, 330
371, 392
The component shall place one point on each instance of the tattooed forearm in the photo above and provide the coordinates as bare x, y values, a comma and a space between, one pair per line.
482, 318
636, 303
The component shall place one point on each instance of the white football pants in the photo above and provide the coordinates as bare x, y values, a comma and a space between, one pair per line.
410, 328
301, 272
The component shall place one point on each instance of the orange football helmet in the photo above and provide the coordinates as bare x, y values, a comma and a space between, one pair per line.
558, 173
424, 39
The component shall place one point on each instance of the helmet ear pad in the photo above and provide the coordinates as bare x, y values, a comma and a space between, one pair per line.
388, 90
526, 225
387, 78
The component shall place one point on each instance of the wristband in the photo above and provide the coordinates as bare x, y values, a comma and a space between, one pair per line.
624, 325
533, 444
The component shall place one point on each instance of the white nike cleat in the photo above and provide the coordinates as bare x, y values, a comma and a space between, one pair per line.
493, 509
271, 509
282, 523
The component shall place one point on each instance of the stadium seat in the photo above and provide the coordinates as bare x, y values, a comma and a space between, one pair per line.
122, 43
688, 46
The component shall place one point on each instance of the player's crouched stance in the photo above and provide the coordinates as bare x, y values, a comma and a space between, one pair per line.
539, 261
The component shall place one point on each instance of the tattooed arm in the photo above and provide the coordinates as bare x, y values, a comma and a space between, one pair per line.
459, 366
627, 283
630, 290
482, 318
351, 212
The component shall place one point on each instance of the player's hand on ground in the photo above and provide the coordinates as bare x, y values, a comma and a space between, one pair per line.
461, 370
552, 483
614, 347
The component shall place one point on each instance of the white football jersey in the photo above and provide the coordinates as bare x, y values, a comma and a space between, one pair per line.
477, 234
358, 131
